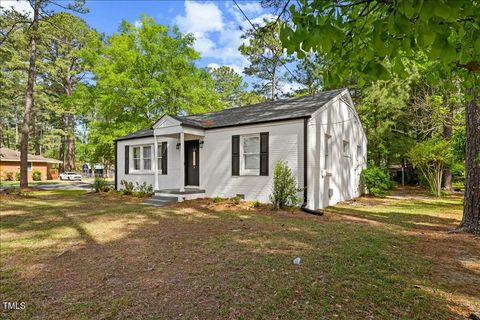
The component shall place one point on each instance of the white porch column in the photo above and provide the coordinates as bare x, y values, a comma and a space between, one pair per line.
182, 161
155, 161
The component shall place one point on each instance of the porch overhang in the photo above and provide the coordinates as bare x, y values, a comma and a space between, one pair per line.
170, 127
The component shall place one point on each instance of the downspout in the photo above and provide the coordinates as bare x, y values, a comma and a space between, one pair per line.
305, 173
116, 165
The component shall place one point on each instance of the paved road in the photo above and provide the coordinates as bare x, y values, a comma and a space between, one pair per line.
67, 186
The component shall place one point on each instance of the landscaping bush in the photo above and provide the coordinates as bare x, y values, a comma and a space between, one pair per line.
217, 199
255, 204
235, 200
8, 176
143, 189
136, 190
376, 180
36, 175
127, 187
99, 184
285, 189
17, 176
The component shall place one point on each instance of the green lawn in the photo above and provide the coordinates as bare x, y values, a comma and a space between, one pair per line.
71, 255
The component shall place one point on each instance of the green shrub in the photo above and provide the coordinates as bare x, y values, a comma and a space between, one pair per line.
127, 187
137, 189
217, 199
144, 189
17, 176
255, 204
99, 184
8, 176
235, 200
376, 180
285, 189
36, 175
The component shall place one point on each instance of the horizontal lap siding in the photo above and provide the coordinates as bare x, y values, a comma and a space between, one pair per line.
168, 181
338, 121
285, 143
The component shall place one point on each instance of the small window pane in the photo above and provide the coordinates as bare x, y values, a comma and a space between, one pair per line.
147, 152
252, 161
345, 148
136, 164
136, 152
147, 164
251, 145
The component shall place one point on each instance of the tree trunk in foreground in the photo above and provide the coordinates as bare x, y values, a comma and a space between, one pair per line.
471, 205
447, 135
28, 100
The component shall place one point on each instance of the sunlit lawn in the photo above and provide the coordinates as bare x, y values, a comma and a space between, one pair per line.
71, 255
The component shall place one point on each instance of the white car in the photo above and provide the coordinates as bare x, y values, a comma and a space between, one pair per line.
70, 176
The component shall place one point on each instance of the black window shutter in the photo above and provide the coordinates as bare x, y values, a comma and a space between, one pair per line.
235, 155
164, 157
264, 153
127, 159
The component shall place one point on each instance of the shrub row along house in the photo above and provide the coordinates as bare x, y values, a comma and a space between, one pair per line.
232, 152
10, 165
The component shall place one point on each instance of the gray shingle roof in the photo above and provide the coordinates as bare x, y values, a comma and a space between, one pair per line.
292, 108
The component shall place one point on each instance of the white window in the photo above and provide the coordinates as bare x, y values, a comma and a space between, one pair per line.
147, 158
359, 154
142, 158
250, 154
326, 145
29, 166
346, 149
136, 158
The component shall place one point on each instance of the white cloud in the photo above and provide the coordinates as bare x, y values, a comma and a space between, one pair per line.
289, 87
251, 7
216, 38
22, 6
137, 23
200, 18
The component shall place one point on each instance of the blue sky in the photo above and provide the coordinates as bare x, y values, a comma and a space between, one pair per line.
215, 24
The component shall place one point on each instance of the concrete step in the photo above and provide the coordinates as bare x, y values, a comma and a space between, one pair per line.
160, 201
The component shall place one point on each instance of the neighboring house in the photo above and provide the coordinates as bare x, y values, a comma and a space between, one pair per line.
232, 152
10, 163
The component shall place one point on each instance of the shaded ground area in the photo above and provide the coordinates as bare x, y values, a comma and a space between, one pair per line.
71, 255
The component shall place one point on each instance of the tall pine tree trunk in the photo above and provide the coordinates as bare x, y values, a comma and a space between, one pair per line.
29, 99
35, 132
447, 135
70, 144
471, 205
70, 130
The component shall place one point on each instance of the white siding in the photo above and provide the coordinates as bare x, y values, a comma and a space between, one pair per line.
286, 139
285, 143
168, 181
341, 123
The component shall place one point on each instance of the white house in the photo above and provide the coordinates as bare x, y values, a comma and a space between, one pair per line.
232, 152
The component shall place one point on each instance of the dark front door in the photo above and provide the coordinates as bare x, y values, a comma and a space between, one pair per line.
192, 168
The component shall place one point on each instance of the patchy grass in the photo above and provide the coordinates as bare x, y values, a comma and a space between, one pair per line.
68, 254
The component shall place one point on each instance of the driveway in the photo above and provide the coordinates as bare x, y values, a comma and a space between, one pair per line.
86, 184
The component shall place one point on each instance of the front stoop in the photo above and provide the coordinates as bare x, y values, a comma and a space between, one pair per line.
160, 201
187, 194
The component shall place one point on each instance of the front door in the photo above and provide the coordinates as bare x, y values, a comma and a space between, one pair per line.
192, 168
